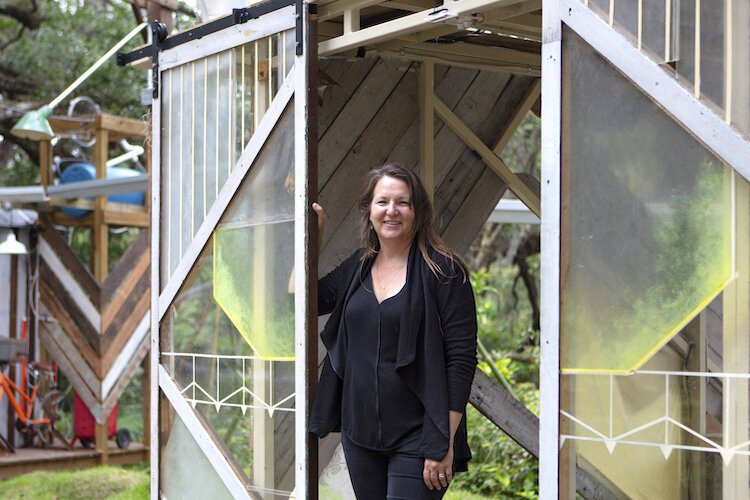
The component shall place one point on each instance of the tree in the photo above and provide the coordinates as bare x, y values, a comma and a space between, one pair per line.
46, 45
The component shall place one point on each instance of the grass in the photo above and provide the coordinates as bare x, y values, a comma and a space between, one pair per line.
113, 483
95, 483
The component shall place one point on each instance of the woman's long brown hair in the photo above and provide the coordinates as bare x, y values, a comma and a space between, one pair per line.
424, 229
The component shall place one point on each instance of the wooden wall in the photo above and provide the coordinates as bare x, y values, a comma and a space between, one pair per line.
371, 116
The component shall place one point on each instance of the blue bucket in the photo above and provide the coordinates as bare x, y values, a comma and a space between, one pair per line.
86, 171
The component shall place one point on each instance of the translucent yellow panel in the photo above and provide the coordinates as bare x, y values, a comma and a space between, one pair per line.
254, 251
646, 220
185, 472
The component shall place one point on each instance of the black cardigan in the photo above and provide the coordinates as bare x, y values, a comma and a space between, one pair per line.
436, 351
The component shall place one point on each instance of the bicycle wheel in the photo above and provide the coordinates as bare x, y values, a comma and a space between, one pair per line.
49, 404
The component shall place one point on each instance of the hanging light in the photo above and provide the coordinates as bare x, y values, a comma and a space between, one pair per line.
35, 125
11, 246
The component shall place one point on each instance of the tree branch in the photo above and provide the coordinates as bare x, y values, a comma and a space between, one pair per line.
30, 19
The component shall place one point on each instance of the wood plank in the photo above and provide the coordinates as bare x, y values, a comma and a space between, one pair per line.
132, 219
470, 218
505, 411
127, 375
452, 193
519, 188
89, 355
61, 348
348, 77
341, 191
55, 293
138, 249
471, 110
115, 338
26, 460
125, 291
122, 126
79, 271
76, 380
369, 97
63, 219
450, 87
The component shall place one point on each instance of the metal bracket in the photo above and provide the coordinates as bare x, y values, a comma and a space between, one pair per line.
158, 34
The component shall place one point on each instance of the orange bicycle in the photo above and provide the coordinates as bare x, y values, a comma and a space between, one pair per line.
36, 414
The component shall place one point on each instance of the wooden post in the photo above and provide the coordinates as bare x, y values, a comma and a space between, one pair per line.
100, 236
100, 255
695, 407
45, 163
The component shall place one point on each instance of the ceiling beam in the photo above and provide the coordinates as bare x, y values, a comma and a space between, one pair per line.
405, 25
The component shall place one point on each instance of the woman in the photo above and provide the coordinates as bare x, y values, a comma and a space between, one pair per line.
401, 344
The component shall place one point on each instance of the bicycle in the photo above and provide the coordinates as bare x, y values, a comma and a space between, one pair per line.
26, 401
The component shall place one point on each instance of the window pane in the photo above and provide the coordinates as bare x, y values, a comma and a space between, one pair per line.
210, 109
228, 337
647, 214
185, 472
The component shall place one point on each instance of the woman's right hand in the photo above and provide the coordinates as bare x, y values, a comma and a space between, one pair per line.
321, 221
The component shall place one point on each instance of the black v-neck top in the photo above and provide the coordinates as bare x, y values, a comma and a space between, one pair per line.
378, 410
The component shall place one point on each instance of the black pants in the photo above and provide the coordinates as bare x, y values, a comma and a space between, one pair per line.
377, 475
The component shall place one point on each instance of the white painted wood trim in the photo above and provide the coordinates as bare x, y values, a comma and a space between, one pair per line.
549, 365
251, 151
126, 354
226, 39
404, 25
702, 122
214, 455
155, 287
70, 284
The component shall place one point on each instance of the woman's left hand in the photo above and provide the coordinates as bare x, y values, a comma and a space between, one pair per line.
438, 475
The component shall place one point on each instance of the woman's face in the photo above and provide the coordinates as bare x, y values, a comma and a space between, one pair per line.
391, 211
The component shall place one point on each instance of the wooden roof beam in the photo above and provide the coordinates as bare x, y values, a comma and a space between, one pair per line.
467, 54
405, 25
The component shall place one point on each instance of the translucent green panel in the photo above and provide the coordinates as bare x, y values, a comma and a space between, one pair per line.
210, 109
185, 472
228, 337
646, 220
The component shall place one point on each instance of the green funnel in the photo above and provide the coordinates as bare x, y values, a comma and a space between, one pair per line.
34, 125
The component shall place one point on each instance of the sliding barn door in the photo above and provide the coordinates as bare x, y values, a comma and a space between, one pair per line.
234, 141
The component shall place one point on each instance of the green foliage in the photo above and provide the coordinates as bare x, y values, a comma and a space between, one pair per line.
72, 37
500, 468
95, 483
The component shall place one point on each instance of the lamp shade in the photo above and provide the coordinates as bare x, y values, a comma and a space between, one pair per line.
34, 125
11, 246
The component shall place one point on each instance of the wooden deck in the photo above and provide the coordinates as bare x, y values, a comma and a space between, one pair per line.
26, 460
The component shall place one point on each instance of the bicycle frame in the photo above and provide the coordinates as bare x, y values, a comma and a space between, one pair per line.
10, 388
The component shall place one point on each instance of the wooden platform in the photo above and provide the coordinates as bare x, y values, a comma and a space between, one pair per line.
26, 460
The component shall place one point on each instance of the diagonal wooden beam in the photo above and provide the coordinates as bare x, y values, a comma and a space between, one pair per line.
515, 184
